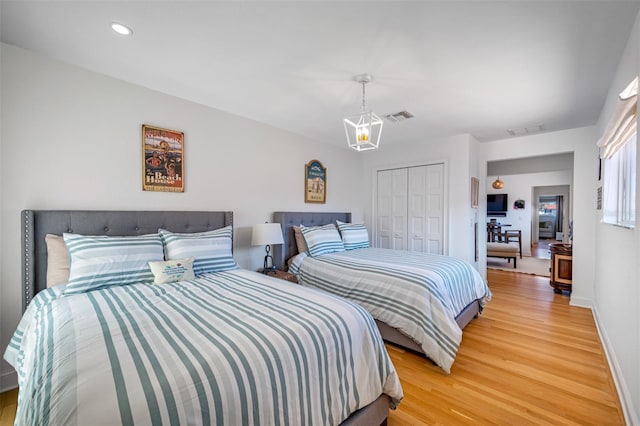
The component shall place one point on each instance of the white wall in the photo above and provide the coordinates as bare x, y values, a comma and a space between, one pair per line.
617, 272
520, 187
455, 153
478, 215
71, 139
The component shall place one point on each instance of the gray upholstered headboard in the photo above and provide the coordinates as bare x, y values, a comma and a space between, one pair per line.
282, 252
36, 224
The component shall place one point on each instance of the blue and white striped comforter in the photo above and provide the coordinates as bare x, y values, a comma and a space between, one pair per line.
419, 294
232, 348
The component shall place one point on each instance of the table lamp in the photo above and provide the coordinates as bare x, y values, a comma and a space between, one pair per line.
266, 234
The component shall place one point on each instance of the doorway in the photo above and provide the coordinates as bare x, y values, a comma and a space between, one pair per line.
550, 221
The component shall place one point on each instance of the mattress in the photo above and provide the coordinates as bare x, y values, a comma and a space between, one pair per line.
232, 347
419, 294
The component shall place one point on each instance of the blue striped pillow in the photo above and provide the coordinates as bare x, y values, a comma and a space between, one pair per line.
354, 235
211, 249
322, 239
99, 261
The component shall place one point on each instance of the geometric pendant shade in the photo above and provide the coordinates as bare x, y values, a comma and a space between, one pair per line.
363, 130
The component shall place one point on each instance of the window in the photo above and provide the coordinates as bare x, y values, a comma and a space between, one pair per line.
619, 188
618, 150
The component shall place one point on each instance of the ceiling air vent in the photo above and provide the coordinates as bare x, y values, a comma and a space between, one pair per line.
525, 130
398, 116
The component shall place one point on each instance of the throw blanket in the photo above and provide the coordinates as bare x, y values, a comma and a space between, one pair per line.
227, 348
419, 294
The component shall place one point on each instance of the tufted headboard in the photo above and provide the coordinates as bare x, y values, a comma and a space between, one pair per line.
36, 224
282, 252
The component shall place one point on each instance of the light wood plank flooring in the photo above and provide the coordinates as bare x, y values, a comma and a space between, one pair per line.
541, 249
529, 359
8, 403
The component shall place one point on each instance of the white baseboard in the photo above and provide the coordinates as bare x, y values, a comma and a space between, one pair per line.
630, 415
580, 302
8, 381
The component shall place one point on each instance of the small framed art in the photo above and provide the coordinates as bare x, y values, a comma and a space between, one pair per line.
162, 159
315, 182
475, 189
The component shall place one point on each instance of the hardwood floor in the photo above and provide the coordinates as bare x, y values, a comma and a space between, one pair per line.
541, 249
530, 358
8, 403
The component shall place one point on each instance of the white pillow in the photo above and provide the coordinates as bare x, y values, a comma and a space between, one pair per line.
211, 249
172, 270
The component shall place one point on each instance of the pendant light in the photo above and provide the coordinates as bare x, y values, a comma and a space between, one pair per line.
363, 130
497, 184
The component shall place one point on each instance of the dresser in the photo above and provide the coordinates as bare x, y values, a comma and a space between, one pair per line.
561, 267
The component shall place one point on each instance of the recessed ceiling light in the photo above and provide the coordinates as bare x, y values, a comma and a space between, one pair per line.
121, 29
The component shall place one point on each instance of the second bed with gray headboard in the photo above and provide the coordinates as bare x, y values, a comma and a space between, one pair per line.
283, 253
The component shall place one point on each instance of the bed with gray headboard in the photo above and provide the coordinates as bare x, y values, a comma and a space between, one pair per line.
283, 253
36, 224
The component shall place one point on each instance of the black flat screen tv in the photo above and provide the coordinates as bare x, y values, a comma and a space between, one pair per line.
497, 205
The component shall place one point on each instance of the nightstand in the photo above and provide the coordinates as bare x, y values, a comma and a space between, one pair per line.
282, 275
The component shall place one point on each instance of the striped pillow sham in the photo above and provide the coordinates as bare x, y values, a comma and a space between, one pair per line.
322, 239
100, 261
212, 250
354, 235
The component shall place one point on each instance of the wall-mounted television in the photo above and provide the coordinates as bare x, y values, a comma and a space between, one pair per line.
497, 205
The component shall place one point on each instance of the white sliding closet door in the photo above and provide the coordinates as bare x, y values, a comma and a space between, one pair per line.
435, 209
418, 199
411, 208
392, 209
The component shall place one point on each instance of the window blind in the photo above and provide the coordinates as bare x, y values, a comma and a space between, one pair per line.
623, 124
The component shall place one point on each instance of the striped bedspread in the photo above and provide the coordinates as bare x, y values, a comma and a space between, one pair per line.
229, 348
419, 294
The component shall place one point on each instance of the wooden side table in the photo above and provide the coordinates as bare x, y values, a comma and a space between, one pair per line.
561, 267
282, 275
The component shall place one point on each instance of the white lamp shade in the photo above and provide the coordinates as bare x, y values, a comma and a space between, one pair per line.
266, 233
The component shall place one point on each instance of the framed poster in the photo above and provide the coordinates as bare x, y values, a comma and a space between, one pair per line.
475, 189
315, 182
162, 159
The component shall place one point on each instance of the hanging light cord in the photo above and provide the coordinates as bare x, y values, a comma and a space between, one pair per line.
364, 108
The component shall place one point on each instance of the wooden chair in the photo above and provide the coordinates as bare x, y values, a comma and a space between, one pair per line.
513, 235
494, 232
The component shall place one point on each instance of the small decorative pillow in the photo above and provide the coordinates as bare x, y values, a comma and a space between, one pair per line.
211, 249
354, 235
98, 261
172, 270
300, 242
57, 260
322, 239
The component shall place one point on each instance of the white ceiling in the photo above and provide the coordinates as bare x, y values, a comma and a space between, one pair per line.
460, 67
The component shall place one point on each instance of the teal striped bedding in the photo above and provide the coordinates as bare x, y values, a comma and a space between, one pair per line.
419, 294
228, 348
